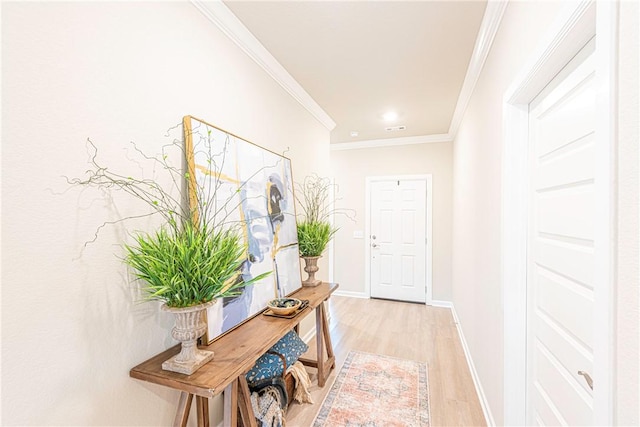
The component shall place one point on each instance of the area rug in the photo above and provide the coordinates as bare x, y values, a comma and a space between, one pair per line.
377, 391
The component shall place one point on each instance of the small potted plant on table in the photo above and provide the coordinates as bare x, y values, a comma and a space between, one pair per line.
314, 229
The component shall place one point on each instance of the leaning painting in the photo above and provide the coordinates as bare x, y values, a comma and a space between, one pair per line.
242, 185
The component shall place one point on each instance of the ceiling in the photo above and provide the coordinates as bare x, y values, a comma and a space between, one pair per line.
361, 59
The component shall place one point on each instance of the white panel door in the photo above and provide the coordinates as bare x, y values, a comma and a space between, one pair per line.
560, 286
398, 240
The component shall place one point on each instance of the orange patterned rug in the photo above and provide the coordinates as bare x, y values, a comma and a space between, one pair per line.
377, 391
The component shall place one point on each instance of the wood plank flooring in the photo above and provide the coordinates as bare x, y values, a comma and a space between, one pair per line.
408, 331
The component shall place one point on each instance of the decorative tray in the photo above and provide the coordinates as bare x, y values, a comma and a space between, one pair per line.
305, 304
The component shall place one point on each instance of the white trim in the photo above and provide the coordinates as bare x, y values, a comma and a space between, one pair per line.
367, 233
428, 178
220, 15
351, 294
391, 142
439, 303
309, 335
513, 259
488, 29
486, 409
571, 30
604, 370
569, 33
429, 266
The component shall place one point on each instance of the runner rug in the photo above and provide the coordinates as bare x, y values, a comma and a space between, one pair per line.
377, 391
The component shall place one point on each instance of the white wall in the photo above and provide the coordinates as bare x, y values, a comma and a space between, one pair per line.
115, 72
351, 167
477, 287
628, 269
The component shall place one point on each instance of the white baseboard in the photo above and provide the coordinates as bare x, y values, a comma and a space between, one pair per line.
309, 335
438, 303
476, 380
351, 294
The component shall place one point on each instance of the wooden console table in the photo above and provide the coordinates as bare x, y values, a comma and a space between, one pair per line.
235, 353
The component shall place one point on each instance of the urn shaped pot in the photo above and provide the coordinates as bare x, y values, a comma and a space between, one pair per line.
311, 267
190, 325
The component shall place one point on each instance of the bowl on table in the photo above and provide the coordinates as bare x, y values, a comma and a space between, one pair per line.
284, 306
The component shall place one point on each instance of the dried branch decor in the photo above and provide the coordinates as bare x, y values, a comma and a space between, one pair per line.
191, 259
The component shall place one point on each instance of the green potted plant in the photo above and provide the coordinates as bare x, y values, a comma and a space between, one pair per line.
188, 267
314, 229
188, 263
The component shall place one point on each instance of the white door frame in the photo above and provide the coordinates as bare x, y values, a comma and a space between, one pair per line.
428, 178
577, 24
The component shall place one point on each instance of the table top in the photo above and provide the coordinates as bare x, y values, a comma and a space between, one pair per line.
235, 352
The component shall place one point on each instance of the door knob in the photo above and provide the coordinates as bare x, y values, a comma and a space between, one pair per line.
373, 245
587, 378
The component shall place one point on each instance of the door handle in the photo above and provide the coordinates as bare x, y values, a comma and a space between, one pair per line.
373, 245
587, 378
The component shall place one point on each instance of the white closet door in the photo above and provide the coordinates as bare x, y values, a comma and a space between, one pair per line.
561, 247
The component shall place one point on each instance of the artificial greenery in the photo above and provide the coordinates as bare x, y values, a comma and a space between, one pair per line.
314, 229
191, 259
188, 265
313, 237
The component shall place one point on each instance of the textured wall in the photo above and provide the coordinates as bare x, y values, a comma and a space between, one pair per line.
628, 288
115, 72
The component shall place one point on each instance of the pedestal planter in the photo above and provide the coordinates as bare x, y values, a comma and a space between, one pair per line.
190, 325
311, 266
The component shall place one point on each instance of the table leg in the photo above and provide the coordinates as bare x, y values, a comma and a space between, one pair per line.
182, 413
202, 406
231, 405
323, 342
244, 403
320, 345
331, 360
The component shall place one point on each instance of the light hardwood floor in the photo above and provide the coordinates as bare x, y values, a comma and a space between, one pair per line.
408, 331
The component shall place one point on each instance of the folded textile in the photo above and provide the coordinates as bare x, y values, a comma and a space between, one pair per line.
301, 393
278, 384
266, 407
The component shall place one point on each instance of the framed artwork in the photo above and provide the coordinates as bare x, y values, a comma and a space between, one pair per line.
235, 183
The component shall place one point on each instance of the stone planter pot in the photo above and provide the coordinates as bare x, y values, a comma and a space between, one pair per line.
190, 325
311, 267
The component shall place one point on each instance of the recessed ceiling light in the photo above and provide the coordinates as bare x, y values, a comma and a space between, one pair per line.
390, 116
354, 133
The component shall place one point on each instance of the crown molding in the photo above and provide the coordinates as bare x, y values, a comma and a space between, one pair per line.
220, 15
391, 142
488, 29
573, 23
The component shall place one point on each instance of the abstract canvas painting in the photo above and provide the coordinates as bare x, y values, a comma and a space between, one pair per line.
242, 185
